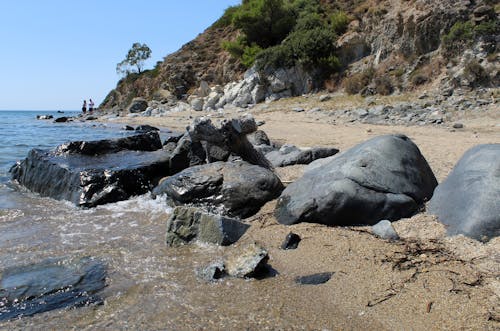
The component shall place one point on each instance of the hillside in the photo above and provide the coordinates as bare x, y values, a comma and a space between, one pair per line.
367, 47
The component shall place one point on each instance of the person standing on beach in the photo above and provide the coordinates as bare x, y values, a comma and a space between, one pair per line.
91, 105
84, 107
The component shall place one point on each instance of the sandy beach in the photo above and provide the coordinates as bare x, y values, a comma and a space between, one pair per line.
425, 281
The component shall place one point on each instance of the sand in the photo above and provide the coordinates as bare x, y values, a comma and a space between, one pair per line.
425, 281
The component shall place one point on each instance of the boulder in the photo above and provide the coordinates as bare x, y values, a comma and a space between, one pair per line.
96, 172
187, 224
259, 137
62, 119
468, 200
290, 155
51, 284
138, 105
230, 188
247, 261
383, 178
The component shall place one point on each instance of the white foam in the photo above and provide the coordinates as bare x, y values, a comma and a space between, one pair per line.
142, 203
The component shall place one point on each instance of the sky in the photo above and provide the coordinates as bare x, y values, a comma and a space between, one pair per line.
56, 53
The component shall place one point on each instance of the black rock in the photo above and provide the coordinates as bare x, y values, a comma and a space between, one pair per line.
231, 188
383, 178
62, 119
291, 241
90, 118
128, 128
314, 279
259, 137
49, 285
146, 128
94, 173
468, 200
292, 155
173, 138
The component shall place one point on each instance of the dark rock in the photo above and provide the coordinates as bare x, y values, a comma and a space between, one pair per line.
314, 279
383, 178
187, 224
62, 119
173, 138
458, 126
90, 118
137, 105
146, 128
468, 201
290, 155
128, 128
141, 142
212, 272
187, 154
291, 241
44, 117
259, 137
49, 285
247, 261
78, 173
385, 230
232, 188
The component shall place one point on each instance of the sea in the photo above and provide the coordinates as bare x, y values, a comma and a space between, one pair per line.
148, 286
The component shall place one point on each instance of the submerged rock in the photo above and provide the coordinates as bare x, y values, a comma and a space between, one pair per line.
96, 172
49, 285
230, 188
468, 200
187, 224
383, 178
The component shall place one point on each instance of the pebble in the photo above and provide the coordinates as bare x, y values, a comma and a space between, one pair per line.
385, 230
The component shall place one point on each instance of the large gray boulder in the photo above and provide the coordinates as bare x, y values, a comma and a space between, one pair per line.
90, 173
383, 178
138, 105
187, 224
468, 201
290, 155
230, 188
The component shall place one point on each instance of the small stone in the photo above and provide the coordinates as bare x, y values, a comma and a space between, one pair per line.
291, 241
385, 230
298, 110
458, 126
247, 261
314, 279
324, 97
212, 272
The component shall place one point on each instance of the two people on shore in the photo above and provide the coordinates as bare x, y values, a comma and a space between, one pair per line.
84, 106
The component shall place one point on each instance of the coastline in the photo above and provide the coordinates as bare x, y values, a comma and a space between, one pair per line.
449, 282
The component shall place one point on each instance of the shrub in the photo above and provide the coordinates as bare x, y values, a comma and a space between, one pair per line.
418, 78
356, 82
383, 85
235, 48
460, 34
249, 55
227, 18
339, 22
475, 73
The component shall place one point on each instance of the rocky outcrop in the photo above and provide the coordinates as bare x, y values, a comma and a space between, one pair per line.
187, 224
94, 173
468, 201
51, 284
226, 188
137, 105
383, 178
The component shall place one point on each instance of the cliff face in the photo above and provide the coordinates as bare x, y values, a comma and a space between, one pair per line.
389, 45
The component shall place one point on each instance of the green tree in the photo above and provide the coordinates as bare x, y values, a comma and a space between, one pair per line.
134, 60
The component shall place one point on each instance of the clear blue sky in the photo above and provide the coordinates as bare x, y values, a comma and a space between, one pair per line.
55, 53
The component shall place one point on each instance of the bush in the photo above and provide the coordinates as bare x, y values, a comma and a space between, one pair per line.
356, 82
339, 22
460, 34
383, 85
475, 73
227, 18
249, 55
418, 78
235, 48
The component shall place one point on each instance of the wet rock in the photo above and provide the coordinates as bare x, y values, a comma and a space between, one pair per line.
247, 261
212, 272
385, 230
383, 178
138, 105
62, 119
314, 279
291, 241
187, 224
44, 117
468, 200
289, 155
96, 172
146, 128
49, 285
128, 128
232, 188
